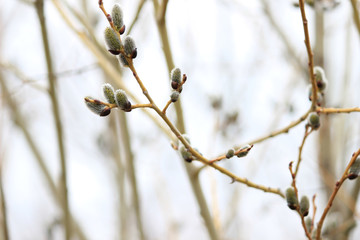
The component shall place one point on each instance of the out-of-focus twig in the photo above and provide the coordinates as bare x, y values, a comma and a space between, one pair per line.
19, 120
136, 18
4, 219
333, 195
39, 5
310, 54
354, 4
130, 169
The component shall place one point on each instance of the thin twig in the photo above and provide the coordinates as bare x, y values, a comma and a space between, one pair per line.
337, 110
19, 120
4, 219
333, 195
356, 15
241, 150
297, 206
314, 213
130, 166
139, 8
39, 5
285, 129
166, 106
310, 55
307, 133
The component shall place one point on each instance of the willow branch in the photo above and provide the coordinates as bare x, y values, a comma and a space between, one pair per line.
337, 110
19, 120
356, 14
39, 5
310, 54
4, 218
130, 167
283, 130
106, 66
307, 133
335, 191
139, 8
293, 176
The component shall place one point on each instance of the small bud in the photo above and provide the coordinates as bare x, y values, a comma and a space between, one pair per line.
123, 60
97, 107
174, 96
230, 153
304, 206
243, 154
314, 120
122, 100
185, 154
291, 199
112, 41
354, 169
130, 47
320, 78
117, 17
108, 91
175, 75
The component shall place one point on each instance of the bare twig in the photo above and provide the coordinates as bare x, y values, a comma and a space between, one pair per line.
283, 130
293, 176
310, 55
139, 8
39, 5
130, 169
337, 110
21, 123
356, 14
307, 133
4, 218
333, 195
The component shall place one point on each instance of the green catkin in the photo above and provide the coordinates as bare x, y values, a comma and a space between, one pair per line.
108, 91
122, 100
354, 169
314, 120
117, 16
97, 107
291, 199
230, 153
129, 47
112, 41
174, 96
304, 205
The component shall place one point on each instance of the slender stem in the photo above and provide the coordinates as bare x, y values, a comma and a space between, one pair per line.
337, 110
39, 4
139, 8
283, 130
297, 197
307, 133
241, 150
149, 105
333, 195
356, 14
314, 213
166, 106
3, 205
21, 123
130, 166
310, 54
